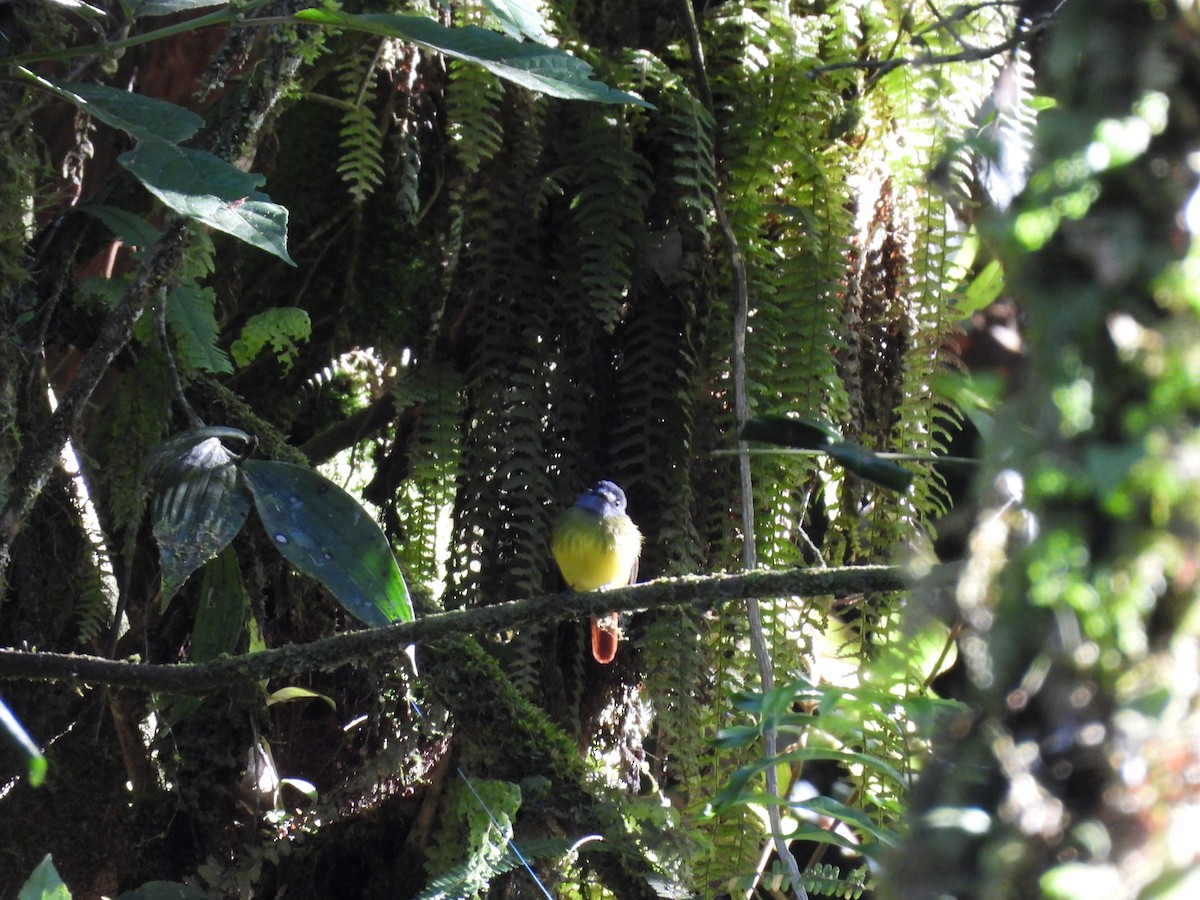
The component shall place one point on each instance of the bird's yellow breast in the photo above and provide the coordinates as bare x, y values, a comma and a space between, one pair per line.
593, 551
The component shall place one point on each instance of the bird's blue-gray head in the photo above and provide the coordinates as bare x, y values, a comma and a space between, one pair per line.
605, 499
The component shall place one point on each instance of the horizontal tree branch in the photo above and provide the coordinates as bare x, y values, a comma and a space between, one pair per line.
371, 644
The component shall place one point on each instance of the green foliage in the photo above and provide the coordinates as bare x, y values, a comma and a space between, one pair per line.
191, 182
361, 165
475, 839
19, 738
325, 533
199, 506
281, 327
531, 65
579, 325
476, 129
204, 495
427, 498
824, 880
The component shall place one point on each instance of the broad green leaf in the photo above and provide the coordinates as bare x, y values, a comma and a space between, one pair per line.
325, 533
223, 609
531, 65
825, 836
865, 464
827, 806
199, 507
129, 229
166, 453
287, 694
190, 315
821, 437
735, 791
210, 190
19, 738
807, 434
44, 884
166, 7
144, 117
518, 18
307, 788
983, 289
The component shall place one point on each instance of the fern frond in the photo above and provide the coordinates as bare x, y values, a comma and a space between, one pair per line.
361, 165
360, 136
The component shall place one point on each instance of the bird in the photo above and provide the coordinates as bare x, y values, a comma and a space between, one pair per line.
596, 546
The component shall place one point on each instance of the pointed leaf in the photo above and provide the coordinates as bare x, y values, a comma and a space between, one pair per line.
307, 788
210, 190
44, 884
223, 610
865, 464
325, 533
534, 66
518, 18
983, 289
199, 508
144, 117
806, 434
287, 694
128, 228
827, 806
167, 7
19, 738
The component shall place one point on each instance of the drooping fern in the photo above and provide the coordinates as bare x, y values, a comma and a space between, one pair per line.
425, 502
361, 164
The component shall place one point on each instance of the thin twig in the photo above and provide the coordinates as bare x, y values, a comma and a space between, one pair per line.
971, 54
741, 319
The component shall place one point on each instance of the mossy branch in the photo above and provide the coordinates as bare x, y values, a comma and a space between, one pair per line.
363, 646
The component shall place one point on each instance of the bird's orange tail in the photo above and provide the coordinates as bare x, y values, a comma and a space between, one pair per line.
605, 638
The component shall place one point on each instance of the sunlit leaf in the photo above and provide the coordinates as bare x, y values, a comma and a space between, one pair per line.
983, 289
167, 7
827, 806
44, 884
307, 788
531, 65
518, 18
26, 747
287, 694
325, 533
143, 117
210, 190
199, 506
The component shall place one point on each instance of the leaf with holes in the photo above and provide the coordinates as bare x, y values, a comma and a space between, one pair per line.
199, 507
325, 533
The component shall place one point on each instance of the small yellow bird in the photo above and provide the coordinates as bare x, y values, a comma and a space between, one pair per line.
596, 545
